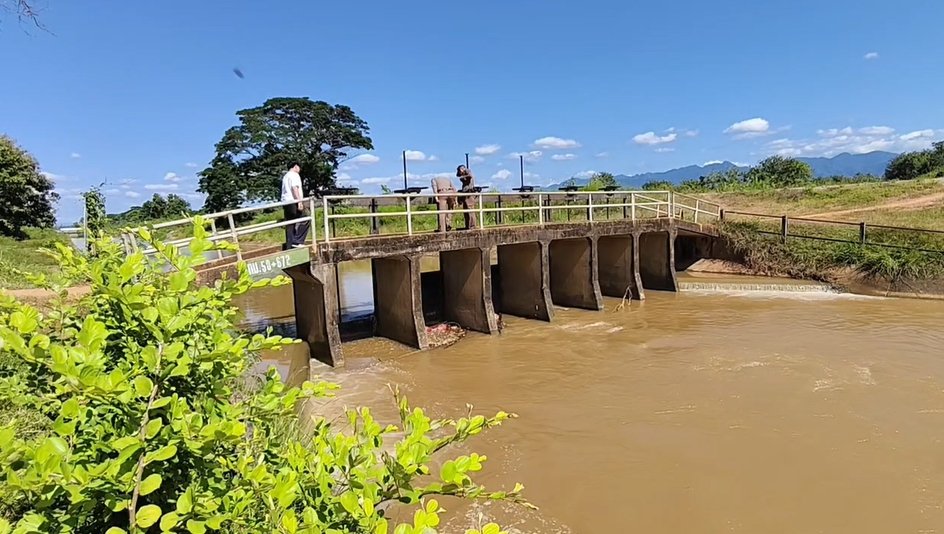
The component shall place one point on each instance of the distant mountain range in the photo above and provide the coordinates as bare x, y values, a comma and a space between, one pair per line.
842, 165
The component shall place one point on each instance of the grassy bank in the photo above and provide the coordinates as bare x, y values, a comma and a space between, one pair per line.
25, 256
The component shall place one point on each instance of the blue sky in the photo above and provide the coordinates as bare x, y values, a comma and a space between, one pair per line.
136, 94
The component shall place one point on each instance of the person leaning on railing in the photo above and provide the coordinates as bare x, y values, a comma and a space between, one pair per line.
445, 200
295, 234
468, 202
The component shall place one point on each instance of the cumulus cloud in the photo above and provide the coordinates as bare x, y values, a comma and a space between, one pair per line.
132, 194
564, 157
53, 176
112, 191
503, 174
191, 165
360, 160
376, 180
871, 55
172, 177
834, 141
602, 154
712, 162
415, 155
585, 174
555, 143
651, 138
433, 158
691, 133
755, 127
487, 150
344, 177
75, 155
533, 155
476, 159
161, 187
665, 149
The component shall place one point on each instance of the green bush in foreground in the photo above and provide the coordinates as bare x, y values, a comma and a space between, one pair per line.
142, 422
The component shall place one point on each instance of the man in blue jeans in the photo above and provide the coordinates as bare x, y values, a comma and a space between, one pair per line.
295, 234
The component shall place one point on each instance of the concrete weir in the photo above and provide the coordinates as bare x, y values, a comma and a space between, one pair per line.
571, 265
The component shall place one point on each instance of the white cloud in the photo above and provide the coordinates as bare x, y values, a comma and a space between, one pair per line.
376, 180
920, 134
871, 55
487, 150
160, 187
877, 130
712, 162
344, 177
691, 133
603, 154
651, 139
755, 127
585, 174
433, 158
415, 155
555, 143
503, 174
564, 157
113, 191
132, 194
53, 176
360, 160
476, 159
191, 165
172, 177
533, 155
75, 155
665, 149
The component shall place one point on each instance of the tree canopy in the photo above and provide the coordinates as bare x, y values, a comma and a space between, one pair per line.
911, 165
154, 209
778, 171
26, 195
252, 157
600, 181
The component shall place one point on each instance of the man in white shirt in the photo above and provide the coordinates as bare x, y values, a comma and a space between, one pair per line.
295, 234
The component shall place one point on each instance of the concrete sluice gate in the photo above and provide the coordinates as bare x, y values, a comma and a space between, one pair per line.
480, 279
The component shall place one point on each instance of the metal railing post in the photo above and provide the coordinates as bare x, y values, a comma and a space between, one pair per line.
632, 205
219, 253
590, 207
499, 216
374, 221
624, 206
697, 205
314, 223
784, 228
409, 215
540, 209
234, 235
324, 214
481, 211
862, 231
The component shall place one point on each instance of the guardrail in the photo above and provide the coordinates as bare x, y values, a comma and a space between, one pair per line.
862, 229
491, 209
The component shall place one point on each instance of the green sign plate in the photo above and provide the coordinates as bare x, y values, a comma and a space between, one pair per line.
272, 265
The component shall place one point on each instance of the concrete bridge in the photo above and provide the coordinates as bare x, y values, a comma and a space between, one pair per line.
621, 244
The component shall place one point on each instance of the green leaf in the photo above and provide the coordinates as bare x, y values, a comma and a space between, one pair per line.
349, 502
290, 522
147, 515
195, 527
112, 530
169, 521
143, 386
150, 484
448, 471
185, 502
164, 453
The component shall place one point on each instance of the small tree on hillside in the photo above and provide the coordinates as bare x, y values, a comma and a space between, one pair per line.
26, 195
778, 171
177, 207
601, 181
94, 211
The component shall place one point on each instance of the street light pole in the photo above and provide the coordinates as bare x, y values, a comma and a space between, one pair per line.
466, 160
405, 185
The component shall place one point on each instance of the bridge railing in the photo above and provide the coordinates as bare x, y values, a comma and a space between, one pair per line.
335, 217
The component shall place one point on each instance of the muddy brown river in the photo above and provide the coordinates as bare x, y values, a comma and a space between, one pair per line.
754, 412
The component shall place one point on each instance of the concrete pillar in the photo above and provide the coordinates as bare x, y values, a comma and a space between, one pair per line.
574, 279
657, 260
467, 289
317, 311
398, 300
524, 280
619, 266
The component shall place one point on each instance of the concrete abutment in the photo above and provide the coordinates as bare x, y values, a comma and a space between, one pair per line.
618, 266
657, 260
524, 285
467, 289
317, 311
398, 300
573, 273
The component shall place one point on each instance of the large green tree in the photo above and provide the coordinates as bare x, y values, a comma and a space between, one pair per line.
252, 157
778, 171
911, 165
26, 195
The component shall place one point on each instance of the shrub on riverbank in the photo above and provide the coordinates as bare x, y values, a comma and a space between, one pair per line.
140, 387
825, 261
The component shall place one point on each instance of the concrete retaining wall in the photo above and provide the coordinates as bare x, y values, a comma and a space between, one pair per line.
619, 267
524, 284
317, 313
467, 289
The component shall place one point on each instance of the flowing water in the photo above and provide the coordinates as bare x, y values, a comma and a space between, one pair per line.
745, 411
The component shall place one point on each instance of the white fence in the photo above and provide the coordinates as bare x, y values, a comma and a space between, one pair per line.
491, 210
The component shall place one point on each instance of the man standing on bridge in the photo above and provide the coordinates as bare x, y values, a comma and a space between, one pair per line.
295, 234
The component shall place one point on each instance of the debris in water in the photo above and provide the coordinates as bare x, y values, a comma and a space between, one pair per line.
444, 335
